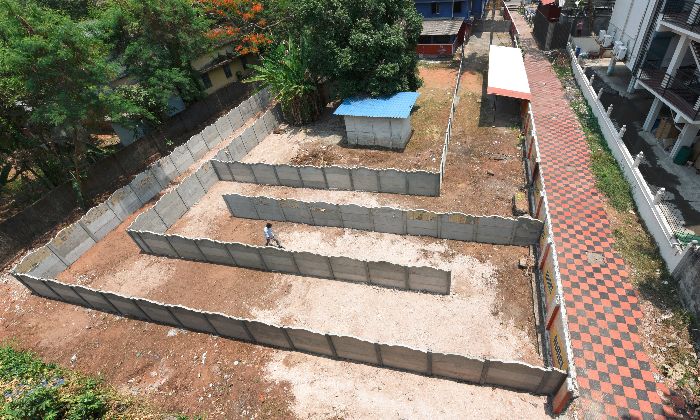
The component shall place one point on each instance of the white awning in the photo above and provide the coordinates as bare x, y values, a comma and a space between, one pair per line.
507, 76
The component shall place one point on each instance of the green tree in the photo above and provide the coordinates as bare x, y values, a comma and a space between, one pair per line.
284, 70
366, 46
154, 42
76, 9
54, 80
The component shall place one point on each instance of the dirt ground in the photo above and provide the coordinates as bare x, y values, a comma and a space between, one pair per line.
488, 313
324, 143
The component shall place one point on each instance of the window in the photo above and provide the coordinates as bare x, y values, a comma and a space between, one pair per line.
435, 8
227, 71
457, 7
206, 80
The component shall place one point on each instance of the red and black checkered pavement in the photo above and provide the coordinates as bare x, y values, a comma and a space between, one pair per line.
615, 376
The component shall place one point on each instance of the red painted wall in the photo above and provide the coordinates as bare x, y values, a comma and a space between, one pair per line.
435, 49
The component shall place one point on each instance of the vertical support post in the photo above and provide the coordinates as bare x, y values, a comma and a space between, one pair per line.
659, 195
600, 93
609, 110
591, 79
638, 159
622, 131
652, 115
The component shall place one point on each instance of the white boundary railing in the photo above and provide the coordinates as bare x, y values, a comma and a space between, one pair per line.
647, 202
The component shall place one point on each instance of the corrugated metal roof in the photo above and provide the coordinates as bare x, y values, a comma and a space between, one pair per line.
396, 106
441, 27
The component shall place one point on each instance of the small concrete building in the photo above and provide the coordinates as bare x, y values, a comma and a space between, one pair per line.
378, 122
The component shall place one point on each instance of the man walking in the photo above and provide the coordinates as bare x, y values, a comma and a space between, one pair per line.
270, 235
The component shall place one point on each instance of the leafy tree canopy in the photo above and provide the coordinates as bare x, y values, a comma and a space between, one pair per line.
241, 22
154, 42
366, 46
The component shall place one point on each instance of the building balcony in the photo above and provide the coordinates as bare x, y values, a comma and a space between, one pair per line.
680, 92
682, 16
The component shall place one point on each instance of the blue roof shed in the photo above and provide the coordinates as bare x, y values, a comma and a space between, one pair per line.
383, 122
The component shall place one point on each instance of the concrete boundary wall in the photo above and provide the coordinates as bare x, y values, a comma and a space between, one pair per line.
514, 375
523, 231
71, 242
235, 254
391, 181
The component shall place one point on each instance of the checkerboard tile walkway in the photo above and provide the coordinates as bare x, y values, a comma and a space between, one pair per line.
615, 376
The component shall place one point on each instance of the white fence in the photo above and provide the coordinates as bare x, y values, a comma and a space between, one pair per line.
647, 203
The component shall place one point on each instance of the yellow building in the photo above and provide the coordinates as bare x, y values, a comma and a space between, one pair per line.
222, 67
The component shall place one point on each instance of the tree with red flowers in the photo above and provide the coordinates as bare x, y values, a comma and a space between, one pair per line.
244, 23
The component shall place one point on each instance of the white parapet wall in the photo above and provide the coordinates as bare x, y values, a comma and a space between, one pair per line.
650, 212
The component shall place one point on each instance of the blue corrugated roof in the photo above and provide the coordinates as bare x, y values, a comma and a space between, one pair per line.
396, 106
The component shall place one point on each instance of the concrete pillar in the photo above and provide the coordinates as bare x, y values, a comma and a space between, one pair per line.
677, 59
652, 115
659, 196
611, 65
638, 159
685, 138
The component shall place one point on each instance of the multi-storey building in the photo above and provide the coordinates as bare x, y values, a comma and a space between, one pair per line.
662, 41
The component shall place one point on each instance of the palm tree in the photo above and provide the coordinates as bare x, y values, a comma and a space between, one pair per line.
284, 71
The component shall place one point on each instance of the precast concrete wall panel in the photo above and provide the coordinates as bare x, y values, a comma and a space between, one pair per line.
186, 248
157, 313
268, 334
404, 358
268, 209
393, 181
514, 375
237, 149
190, 190
124, 202
457, 367
264, 173
70, 243
245, 109
197, 147
423, 183
66, 293
211, 136
125, 306
234, 117
364, 179
296, 212
325, 214
457, 226
338, 178
221, 169
229, 327
192, 320
387, 274
223, 126
145, 185
356, 217
249, 139
428, 279
182, 158
41, 262
494, 230
206, 175
241, 206
312, 177
278, 260
136, 237
422, 223
308, 341
527, 231
95, 299
351, 348
389, 220
215, 252
349, 269
164, 170
288, 176
38, 286
246, 256
551, 382
150, 221
242, 172
270, 122
158, 244
170, 208
313, 265
99, 221
260, 130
